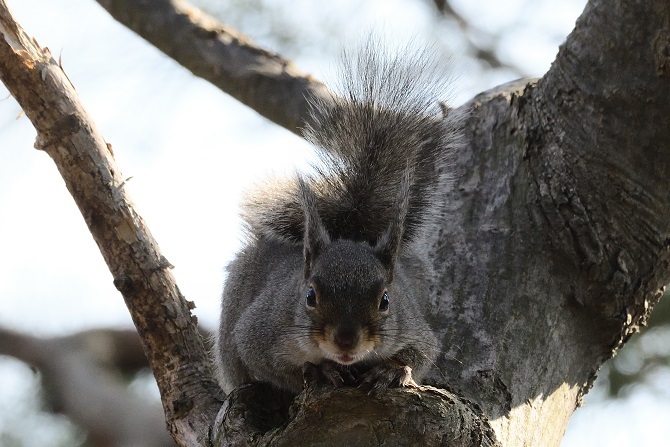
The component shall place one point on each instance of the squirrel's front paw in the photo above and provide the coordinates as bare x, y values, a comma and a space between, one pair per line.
388, 374
330, 373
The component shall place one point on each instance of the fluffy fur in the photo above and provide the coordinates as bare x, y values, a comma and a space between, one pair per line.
329, 275
386, 116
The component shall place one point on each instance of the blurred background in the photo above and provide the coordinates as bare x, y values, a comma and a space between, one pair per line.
188, 151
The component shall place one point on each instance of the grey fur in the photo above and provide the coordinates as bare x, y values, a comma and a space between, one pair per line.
347, 235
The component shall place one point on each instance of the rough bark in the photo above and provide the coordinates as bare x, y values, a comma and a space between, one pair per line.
85, 161
555, 246
337, 417
553, 249
260, 79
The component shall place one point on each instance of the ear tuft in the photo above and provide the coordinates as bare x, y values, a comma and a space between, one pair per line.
315, 238
388, 245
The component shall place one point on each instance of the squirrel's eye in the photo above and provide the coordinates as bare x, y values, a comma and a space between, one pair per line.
311, 298
384, 302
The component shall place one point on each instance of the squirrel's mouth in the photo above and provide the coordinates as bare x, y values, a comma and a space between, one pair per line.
345, 359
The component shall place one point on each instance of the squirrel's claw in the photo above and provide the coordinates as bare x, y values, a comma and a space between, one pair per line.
310, 374
337, 375
389, 374
329, 373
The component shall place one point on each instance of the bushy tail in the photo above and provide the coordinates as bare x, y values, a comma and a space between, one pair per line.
387, 117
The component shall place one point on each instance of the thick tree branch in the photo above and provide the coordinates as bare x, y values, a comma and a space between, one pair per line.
141, 273
555, 246
262, 80
609, 153
337, 417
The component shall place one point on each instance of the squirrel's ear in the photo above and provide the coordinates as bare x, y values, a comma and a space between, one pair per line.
387, 246
315, 238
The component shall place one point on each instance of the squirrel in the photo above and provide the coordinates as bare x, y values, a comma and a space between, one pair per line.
333, 275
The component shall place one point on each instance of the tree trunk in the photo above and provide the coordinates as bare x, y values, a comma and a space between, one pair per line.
555, 247
552, 251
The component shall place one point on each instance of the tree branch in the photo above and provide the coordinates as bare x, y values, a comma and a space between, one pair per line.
262, 80
481, 52
160, 313
604, 196
76, 384
555, 247
422, 416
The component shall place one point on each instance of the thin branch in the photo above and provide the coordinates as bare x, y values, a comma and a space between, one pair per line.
481, 52
85, 161
260, 79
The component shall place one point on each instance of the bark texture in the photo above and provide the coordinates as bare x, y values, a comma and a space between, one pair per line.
552, 250
337, 417
85, 161
555, 247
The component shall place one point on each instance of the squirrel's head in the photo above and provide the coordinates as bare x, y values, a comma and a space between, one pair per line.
347, 284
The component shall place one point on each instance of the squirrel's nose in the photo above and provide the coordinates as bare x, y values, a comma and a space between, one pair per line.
346, 338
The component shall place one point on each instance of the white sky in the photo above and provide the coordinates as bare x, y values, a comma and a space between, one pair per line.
190, 151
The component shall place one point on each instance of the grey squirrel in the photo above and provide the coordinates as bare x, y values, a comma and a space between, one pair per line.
333, 275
